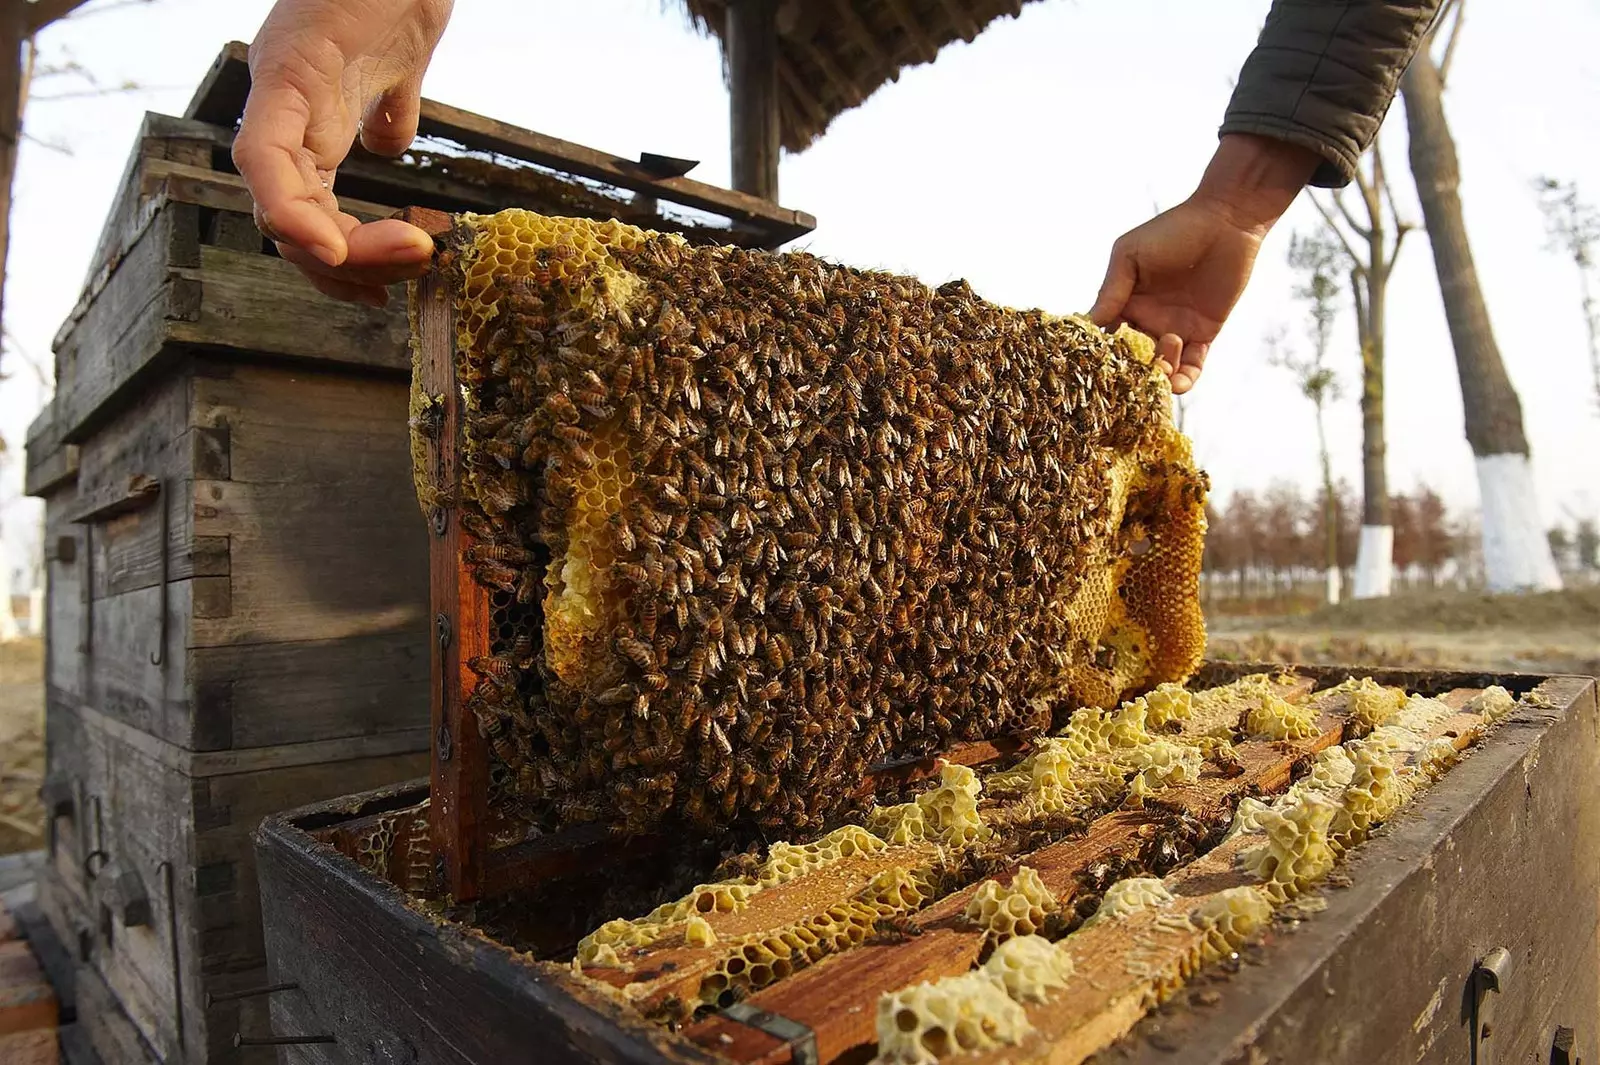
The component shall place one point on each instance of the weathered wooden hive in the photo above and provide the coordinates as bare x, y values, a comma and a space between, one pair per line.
1280, 866
238, 596
1081, 842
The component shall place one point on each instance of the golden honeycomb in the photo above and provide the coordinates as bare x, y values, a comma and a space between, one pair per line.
1278, 719
1297, 851
1493, 703
957, 1015
1005, 911
752, 522
1129, 896
1230, 917
1029, 967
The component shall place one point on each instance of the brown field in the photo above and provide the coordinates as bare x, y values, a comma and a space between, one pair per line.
1557, 632
21, 745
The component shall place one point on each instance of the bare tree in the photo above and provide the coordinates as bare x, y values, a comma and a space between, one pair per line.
1318, 259
1516, 554
1371, 237
1574, 228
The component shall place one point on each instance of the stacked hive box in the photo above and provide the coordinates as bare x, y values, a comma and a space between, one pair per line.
238, 604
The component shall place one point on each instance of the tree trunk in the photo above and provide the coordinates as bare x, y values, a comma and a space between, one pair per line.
1330, 514
1374, 576
1516, 554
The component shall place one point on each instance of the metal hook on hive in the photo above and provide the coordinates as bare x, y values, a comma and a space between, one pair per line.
165, 871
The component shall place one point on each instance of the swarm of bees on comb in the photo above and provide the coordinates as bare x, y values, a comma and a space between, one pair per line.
752, 523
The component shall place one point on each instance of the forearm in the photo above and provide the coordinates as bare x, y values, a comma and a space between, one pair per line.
1323, 74
1252, 180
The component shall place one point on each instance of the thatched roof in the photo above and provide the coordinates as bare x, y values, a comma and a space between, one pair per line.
833, 54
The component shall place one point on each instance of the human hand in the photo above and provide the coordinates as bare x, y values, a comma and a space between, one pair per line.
323, 71
1178, 276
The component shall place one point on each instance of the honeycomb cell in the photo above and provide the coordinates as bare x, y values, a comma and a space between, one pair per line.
1278, 719
1230, 917
957, 1015
1371, 704
1129, 896
1493, 703
1015, 909
1297, 851
1029, 968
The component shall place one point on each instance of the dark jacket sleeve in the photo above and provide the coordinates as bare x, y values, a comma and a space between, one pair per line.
1324, 73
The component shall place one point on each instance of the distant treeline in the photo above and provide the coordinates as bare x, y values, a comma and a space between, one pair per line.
1265, 544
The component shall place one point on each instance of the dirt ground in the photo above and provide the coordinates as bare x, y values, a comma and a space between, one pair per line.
21, 745
1557, 632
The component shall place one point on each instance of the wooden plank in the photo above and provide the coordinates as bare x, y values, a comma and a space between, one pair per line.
221, 90
945, 948
475, 131
121, 334
179, 182
38, 1047
122, 681
220, 97
245, 759
1108, 996
459, 810
368, 691
253, 302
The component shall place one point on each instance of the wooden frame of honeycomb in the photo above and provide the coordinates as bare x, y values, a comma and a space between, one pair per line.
873, 940
721, 533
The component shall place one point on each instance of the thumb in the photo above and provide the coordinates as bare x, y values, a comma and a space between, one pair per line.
1115, 289
390, 124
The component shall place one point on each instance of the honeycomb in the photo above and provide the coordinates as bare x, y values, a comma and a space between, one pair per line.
759, 960
1437, 757
957, 1015
752, 523
1230, 917
1297, 852
697, 932
1371, 704
1129, 896
1168, 703
1278, 719
1378, 788
1029, 967
1010, 910
1493, 703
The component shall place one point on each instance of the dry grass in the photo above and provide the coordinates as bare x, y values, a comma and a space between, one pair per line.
21, 745
1555, 632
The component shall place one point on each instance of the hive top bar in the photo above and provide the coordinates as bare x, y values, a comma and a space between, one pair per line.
747, 523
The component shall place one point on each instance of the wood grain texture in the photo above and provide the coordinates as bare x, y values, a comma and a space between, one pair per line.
947, 947
459, 812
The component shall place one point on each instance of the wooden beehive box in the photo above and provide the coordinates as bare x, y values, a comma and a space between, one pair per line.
1500, 853
238, 600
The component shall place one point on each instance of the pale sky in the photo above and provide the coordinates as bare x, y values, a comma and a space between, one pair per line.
1013, 162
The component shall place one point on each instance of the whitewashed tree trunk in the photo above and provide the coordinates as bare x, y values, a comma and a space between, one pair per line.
1516, 552
1335, 586
1374, 562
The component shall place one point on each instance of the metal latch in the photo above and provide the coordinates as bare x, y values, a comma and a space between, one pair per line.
1488, 979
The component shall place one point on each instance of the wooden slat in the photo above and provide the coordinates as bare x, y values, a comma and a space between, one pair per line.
460, 631
475, 131
222, 95
945, 948
1104, 999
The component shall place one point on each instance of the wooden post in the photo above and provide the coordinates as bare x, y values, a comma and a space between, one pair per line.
751, 40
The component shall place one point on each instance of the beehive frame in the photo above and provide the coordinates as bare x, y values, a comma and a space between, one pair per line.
460, 815
1067, 517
